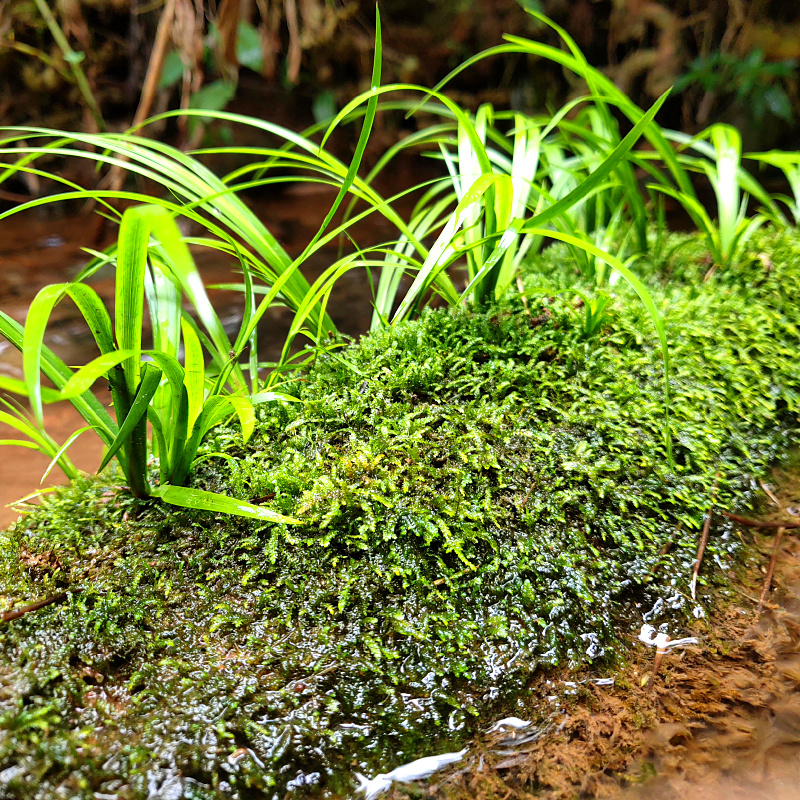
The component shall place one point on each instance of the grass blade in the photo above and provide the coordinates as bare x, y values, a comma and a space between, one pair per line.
211, 501
647, 300
151, 376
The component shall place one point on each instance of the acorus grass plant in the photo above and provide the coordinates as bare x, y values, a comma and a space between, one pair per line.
181, 402
488, 218
513, 182
362, 565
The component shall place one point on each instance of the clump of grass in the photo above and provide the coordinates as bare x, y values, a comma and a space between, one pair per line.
484, 218
181, 402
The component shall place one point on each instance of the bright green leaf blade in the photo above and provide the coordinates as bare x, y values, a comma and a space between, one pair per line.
246, 413
33, 342
60, 458
219, 503
87, 405
151, 377
266, 397
16, 386
647, 300
19, 443
194, 369
83, 380
132, 247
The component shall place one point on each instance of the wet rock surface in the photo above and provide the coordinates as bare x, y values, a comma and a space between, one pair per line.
486, 505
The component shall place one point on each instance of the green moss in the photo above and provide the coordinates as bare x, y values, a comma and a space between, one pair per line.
483, 495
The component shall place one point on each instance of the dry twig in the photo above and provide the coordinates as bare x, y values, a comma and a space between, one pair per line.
701, 548
754, 523
16, 613
771, 570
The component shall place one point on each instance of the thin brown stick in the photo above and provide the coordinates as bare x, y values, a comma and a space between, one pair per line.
16, 613
701, 548
116, 176
771, 570
530, 492
14, 197
754, 523
657, 660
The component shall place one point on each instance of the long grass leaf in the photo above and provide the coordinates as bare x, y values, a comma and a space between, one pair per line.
87, 405
60, 458
200, 500
194, 372
151, 376
649, 304
84, 378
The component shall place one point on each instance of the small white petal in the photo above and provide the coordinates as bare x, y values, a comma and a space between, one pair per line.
421, 768
372, 787
647, 634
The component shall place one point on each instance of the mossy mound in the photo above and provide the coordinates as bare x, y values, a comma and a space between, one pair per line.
482, 495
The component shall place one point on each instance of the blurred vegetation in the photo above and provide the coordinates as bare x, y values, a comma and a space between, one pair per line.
730, 61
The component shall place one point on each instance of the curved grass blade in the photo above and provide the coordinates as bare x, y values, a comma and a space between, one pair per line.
151, 376
61, 459
87, 405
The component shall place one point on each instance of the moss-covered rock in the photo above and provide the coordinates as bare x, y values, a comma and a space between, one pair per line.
482, 495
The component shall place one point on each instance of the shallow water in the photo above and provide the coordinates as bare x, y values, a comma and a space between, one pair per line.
751, 748
719, 721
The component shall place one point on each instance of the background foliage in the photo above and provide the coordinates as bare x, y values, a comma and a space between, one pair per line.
730, 61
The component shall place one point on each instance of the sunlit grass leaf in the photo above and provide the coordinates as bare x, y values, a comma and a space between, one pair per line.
646, 298
201, 500
87, 405
37, 438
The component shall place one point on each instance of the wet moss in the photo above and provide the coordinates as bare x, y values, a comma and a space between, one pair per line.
482, 495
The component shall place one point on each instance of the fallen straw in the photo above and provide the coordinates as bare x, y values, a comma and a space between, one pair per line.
771, 570
16, 613
701, 548
416, 770
754, 523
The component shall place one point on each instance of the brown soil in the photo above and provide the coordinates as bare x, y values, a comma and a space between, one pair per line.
720, 720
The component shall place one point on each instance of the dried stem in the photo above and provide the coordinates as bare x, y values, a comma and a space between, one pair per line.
16, 613
754, 523
771, 570
701, 548
154, 68
769, 493
73, 59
